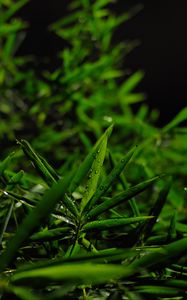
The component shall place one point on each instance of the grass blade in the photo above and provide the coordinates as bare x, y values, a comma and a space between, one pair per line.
145, 232
49, 235
116, 171
179, 118
162, 257
112, 223
84, 273
94, 172
125, 186
121, 197
38, 163
86, 164
4, 164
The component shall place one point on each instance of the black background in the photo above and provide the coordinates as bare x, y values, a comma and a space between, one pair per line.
162, 29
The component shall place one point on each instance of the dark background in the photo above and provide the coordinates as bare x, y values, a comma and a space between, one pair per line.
161, 28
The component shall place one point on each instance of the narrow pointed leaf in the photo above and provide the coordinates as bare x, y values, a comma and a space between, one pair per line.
38, 163
70, 205
85, 273
49, 235
145, 232
112, 223
5, 163
159, 291
179, 118
125, 186
86, 164
12, 10
49, 168
94, 172
15, 179
162, 257
116, 171
121, 197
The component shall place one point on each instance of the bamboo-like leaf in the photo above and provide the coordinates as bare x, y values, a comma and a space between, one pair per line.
179, 118
112, 223
121, 197
40, 164
34, 219
159, 291
116, 171
49, 235
23, 293
15, 179
70, 205
4, 164
94, 172
125, 186
162, 257
145, 231
84, 273
86, 164
49, 168
12, 10
182, 284
131, 83
101, 256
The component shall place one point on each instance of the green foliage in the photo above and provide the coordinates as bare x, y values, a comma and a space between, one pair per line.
68, 238
104, 222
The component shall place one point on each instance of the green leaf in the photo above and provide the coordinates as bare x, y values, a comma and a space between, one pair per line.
12, 10
121, 197
41, 165
159, 291
94, 172
5, 163
155, 211
125, 186
35, 219
15, 179
49, 235
23, 293
131, 83
179, 118
116, 171
86, 164
84, 273
162, 257
112, 223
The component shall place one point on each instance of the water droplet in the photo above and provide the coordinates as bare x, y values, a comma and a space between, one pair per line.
185, 189
101, 187
96, 172
91, 170
5, 193
89, 176
122, 160
18, 204
98, 151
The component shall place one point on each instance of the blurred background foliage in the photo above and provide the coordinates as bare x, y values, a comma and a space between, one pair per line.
63, 111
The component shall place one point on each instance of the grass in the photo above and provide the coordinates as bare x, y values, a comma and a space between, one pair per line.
80, 220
